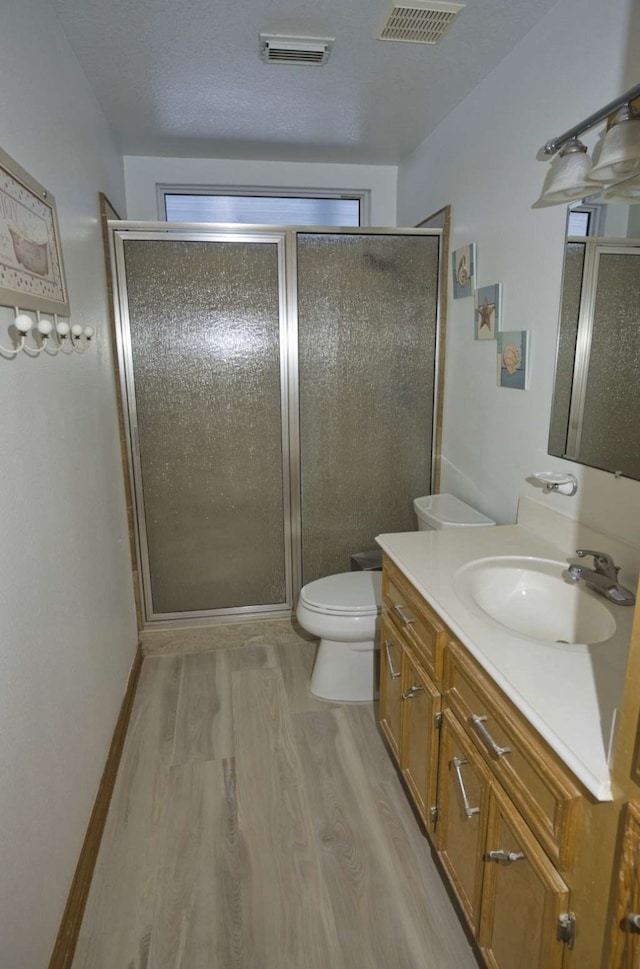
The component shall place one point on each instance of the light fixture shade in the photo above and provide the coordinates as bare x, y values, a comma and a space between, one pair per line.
619, 155
568, 179
628, 192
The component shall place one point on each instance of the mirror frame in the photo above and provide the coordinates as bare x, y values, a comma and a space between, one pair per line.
574, 401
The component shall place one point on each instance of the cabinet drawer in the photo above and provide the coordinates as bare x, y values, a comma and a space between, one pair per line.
421, 626
529, 771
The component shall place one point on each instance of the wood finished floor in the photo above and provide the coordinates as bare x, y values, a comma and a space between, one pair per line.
255, 827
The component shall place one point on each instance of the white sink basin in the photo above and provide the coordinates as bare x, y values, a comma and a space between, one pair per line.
532, 598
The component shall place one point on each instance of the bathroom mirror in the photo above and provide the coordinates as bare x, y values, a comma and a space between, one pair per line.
595, 413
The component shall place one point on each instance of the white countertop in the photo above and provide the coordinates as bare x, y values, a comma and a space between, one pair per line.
570, 694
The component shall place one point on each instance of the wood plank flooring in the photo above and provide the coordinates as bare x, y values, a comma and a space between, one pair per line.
255, 827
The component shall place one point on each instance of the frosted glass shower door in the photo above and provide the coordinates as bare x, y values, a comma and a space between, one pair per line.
202, 323
609, 436
367, 319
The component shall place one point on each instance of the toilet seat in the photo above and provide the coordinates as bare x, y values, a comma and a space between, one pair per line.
345, 594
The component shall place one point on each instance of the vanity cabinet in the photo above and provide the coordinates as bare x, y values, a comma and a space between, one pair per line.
501, 809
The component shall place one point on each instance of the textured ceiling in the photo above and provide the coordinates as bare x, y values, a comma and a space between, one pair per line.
184, 77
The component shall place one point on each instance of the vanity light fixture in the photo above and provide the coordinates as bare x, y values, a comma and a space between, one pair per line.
627, 192
53, 335
568, 176
617, 156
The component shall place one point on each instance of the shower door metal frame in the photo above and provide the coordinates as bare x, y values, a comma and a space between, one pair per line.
120, 232
285, 237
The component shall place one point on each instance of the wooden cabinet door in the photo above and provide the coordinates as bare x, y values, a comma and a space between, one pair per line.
463, 804
421, 702
523, 895
390, 686
625, 933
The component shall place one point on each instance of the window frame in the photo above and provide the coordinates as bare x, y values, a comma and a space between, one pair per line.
363, 196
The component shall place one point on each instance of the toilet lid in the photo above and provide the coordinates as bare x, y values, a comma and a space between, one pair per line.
345, 593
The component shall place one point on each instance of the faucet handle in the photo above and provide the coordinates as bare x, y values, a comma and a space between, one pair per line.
600, 559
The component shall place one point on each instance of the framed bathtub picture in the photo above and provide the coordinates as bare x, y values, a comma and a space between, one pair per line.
488, 310
464, 271
512, 359
31, 270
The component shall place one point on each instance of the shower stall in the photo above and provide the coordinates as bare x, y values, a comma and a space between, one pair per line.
279, 392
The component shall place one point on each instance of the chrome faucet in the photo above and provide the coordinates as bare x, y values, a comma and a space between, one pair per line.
603, 578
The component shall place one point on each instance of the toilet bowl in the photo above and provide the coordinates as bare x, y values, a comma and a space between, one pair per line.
343, 611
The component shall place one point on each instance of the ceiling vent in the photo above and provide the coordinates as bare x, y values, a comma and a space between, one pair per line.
420, 21
279, 49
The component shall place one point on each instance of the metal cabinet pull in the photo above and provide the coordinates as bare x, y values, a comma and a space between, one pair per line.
394, 675
509, 856
633, 918
399, 610
479, 723
457, 764
411, 692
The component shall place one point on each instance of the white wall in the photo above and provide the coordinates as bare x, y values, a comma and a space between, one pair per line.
142, 174
66, 605
481, 159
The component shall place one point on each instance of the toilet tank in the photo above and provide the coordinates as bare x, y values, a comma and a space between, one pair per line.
447, 511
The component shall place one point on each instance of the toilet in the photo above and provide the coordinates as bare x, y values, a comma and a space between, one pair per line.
343, 610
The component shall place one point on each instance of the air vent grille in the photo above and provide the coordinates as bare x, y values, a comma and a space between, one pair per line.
420, 23
276, 49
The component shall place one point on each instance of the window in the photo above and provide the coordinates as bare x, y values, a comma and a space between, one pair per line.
209, 205
586, 220
578, 222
